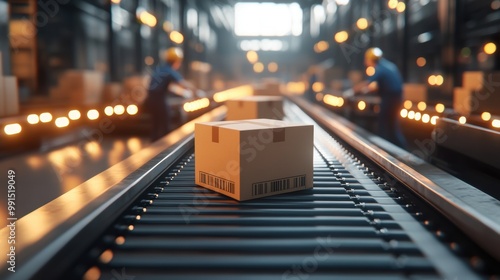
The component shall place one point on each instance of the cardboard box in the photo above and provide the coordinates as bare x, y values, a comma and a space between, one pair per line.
415, 92
462, 101
488, 97
11, 96
255, 107
82, 86
269, 87
259, 90
485, 98
472, 80
253, 158
112, 92
135, 89
56, 93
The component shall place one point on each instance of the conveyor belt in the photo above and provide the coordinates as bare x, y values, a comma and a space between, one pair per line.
351, 225
182, 231
347, 226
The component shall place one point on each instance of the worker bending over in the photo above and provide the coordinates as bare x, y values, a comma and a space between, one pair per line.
166, 80
388, 83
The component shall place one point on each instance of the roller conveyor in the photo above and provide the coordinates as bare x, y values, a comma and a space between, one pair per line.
155, 223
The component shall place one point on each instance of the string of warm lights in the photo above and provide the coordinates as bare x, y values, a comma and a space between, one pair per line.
418, 116
72, 115
119, 109
332, 100
236, 92
196, 105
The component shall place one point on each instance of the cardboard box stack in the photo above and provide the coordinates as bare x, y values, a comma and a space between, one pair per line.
269, 86
255, 107
253, 158
135, 89
415, 92
79, 87
479, 93
199, 75
112, 92
472, 80
9, 94
461, 100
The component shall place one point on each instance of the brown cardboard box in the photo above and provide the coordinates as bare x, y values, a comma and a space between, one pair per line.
462, 100
82, 86
112, 92
20, 33
135, 89
269, 86
415, 92
472, 80
259, 90
253, 158
255, 107
56, 93
11, 96
485, 98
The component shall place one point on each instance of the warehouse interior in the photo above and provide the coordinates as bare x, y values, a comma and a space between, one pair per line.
75, 77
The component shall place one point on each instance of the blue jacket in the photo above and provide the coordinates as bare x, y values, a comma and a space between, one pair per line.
388, 78
161, 79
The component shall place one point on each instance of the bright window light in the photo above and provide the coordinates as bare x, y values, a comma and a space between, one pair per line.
263, 45
267, 19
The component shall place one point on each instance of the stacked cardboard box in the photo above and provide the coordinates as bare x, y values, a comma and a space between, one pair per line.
269, 86
200, 75
461, 100
112, 92
415, 92
9, 94
135, 89
79, 87
480, 93
472, 80
255, 107
253, 158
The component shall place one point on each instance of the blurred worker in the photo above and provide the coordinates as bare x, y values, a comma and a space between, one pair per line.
310, 94
165, 80
388, 83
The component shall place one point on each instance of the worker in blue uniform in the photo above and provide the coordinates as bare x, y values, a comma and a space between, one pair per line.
387, 81
310, 94
165, 80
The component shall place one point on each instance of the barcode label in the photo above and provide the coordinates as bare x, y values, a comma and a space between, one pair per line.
289, 183
217, 182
